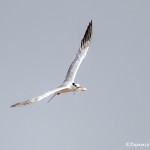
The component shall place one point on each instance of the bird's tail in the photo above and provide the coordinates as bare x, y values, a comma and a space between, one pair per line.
52, 97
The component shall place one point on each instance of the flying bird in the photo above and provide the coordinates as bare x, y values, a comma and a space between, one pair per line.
68, 84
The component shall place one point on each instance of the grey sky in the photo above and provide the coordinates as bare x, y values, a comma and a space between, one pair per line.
38, 41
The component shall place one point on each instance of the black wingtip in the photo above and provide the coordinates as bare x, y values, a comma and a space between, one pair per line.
88, 34
90, 23
13, 106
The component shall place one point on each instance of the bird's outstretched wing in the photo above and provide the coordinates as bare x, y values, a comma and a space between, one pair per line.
39, 98
80, 55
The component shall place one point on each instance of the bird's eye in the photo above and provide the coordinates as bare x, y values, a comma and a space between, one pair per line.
74, 84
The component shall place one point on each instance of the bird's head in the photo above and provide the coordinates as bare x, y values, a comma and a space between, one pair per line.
79, 87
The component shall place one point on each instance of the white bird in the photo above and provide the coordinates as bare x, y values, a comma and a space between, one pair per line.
68, 84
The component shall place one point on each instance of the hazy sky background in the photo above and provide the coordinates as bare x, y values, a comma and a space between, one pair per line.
39, 40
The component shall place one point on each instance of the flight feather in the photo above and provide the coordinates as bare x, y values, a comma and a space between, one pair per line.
80, 55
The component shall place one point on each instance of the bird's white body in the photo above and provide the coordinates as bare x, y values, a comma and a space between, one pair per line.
68, 84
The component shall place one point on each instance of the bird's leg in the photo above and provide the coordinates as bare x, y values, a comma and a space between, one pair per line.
74, 93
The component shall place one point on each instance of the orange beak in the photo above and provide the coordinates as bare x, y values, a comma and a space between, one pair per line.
80, 88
